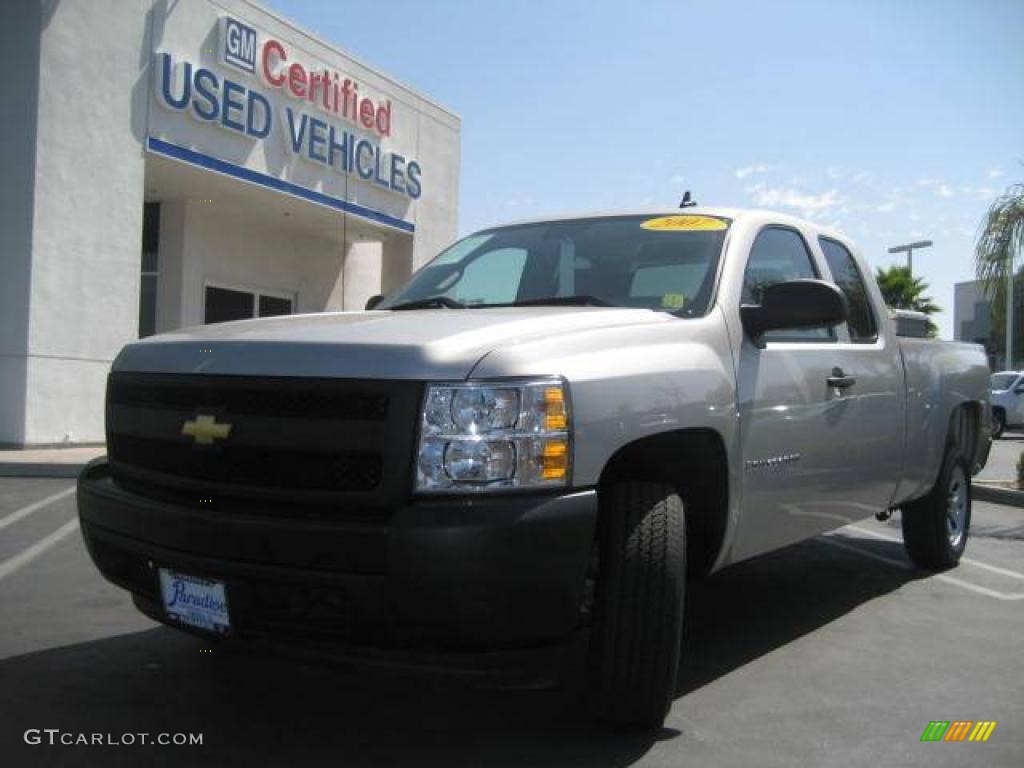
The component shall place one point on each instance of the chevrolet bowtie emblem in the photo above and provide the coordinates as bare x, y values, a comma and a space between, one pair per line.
204, 429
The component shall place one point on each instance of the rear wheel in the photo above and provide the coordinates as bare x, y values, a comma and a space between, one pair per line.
638, 616
935, 527
998, 424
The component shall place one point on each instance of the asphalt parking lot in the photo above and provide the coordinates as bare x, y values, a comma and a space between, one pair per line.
831, 652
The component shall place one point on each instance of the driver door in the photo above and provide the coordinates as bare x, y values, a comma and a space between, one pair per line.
793, 425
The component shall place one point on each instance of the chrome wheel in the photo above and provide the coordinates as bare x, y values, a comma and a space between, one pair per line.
956, 505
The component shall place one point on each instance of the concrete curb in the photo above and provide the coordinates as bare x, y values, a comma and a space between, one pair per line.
997, 495
26, 469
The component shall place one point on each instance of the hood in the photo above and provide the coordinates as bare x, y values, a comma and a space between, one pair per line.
424, 344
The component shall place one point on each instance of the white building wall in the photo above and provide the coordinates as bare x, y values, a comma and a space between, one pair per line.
239, 251
87, 211
20, 23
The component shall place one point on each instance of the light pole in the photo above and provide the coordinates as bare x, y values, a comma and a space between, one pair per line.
1009, 315
909, 250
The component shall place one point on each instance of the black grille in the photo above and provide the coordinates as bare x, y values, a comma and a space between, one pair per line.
240, 465
292, 440
270, 397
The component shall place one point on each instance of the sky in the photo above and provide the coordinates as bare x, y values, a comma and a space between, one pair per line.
891, 121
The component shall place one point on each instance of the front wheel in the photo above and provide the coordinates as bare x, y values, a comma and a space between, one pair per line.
998, 424
638, 616
935, 527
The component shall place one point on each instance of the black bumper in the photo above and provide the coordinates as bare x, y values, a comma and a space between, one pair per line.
448, 574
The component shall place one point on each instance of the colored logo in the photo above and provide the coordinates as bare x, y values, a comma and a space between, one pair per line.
958, 730
238, 44
684, 224
204, 429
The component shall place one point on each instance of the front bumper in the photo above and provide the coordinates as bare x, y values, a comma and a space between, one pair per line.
470, 574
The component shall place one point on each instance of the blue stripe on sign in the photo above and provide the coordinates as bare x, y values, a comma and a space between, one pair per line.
192, 157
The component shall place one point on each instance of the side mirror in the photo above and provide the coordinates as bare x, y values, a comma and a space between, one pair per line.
795, 304
373, 301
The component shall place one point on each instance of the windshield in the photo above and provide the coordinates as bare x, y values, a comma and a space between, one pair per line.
665, 263
1003, 380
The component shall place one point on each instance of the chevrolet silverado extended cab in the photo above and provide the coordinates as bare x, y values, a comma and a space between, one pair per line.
543, 431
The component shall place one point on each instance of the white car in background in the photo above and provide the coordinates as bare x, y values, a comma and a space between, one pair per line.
1007, 401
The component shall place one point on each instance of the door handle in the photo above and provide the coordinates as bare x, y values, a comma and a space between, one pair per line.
840, 380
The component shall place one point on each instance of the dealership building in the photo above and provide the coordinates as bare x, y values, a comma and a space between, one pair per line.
177, 162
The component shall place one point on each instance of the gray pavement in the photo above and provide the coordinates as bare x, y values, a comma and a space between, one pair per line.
62, 462
1002, 460
831, 652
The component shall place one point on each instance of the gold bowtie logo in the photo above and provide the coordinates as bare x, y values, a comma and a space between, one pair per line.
204, 429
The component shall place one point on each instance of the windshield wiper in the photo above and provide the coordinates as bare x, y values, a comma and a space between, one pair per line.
582, 300
431, 302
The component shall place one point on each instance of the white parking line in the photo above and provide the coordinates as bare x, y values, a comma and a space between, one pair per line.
26, 556
24, 512
968, 560
977, 588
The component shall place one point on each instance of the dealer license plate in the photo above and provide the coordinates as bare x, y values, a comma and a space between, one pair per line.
195, 601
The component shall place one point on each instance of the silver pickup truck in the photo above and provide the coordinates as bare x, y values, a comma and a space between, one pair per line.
544, 431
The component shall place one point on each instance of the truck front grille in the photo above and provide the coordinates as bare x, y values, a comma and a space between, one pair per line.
242, 465
320, 441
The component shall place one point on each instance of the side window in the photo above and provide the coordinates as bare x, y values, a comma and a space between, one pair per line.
844, 271
493, 277
778, 255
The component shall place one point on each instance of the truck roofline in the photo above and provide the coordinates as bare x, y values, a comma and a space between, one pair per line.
753, 216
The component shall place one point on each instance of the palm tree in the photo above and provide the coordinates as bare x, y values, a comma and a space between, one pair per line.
1000, 243
901, 290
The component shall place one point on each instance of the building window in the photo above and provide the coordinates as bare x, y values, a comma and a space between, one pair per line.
150, 262
222, 304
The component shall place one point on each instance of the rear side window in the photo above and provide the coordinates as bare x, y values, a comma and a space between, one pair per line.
847, 276
777, 256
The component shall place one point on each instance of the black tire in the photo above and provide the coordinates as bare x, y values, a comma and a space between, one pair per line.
932, 540
638, 612
998, 424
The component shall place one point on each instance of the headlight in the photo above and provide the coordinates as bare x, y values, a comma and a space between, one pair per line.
493, 436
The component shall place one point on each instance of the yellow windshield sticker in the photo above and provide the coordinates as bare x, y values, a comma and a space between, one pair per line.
673, 300
684, 224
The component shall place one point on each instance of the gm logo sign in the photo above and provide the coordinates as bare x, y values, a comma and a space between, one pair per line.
238, 44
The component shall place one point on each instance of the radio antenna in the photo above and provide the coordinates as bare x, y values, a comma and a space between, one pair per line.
687, 201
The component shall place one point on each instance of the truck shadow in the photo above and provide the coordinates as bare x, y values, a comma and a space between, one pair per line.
755, 607
255, 709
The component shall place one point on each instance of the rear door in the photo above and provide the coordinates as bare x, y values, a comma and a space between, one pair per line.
871, 460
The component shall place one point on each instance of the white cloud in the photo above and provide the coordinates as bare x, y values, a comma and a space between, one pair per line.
808, 205
995, 173
863, 177
677, 179
945, 190
926, 182
834, 173
742, 173
979, 193
894, 198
